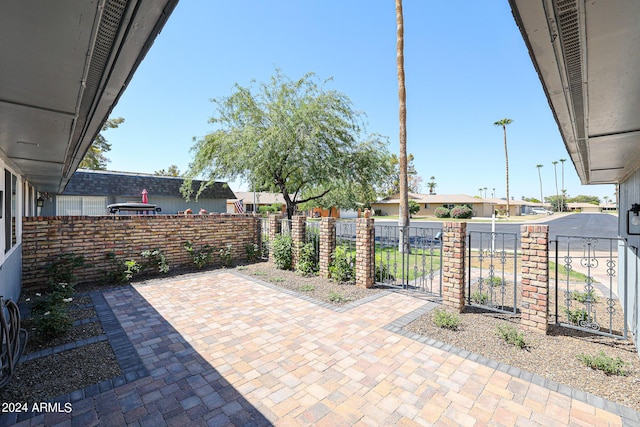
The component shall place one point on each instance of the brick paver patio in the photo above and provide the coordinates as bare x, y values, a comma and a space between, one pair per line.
218, 349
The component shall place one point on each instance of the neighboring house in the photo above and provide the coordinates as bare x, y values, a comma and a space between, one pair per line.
586, 56
247, 199
430, 202
89, 192
583, 207
64, 67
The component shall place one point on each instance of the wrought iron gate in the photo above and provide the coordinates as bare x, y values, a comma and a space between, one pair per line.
418, 267
587, 277
492, 271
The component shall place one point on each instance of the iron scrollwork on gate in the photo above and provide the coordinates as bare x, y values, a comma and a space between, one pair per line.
586, 282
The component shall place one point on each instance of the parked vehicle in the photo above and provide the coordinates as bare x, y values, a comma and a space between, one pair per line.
541, 211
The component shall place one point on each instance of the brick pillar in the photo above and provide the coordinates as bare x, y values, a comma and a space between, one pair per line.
365, 252
257, 227
454, 247
535, 277
327, 244
298, 237
275, 225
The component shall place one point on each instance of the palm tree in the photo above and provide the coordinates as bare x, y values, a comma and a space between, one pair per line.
504, 123
432, 184
540, 177
403, 217
606, 200
493, 192
555, 173
480, 191
485, 192
563, 190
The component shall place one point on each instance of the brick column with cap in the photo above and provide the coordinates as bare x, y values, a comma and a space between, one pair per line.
535, 277
298, 237
365, 252
275, 224
454, 247
327, 245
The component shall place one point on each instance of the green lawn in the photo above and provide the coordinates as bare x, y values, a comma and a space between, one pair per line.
562, 273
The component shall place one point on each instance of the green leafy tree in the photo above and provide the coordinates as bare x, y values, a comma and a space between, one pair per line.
95, 157
581, 198
290, 136
171, 171
391, 184
557, 202
504, 123
432, 185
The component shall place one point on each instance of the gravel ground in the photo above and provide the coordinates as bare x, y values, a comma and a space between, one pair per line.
553, 356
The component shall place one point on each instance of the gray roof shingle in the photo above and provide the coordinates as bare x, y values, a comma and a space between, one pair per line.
107, 183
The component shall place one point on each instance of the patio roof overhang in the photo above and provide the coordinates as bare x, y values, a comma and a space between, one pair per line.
64, 65
586, 55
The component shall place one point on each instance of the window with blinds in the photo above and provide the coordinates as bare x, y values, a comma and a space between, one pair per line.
81, 205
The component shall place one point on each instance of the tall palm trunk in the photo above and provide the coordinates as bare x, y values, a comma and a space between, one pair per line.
540, 178
555, 173
562, 201
403, 217
504, 123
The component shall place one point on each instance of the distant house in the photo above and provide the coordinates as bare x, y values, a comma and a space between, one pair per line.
247, 199
89, 192
584, 207
430, 202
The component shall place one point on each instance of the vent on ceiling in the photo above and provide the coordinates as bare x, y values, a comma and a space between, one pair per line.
568, 20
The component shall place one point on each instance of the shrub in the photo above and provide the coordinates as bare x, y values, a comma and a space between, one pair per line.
62, 270
308, 260
511, 335
461, 212
274, 208
583, 296
576, 316
377, 212
414, 207
307, 288
282, 248
604, 363
383, 273
52, 323
200, 257
253, 252
336, 297
155, 258
131, 269
494, 281
226, 256
446, 320
479, 297
442, 212
343, 265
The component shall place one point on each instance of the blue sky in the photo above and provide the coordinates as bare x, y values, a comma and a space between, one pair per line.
466, 67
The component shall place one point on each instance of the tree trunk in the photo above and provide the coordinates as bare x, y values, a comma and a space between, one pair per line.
403, 215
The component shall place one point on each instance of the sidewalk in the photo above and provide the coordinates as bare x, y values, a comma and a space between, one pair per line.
220, 349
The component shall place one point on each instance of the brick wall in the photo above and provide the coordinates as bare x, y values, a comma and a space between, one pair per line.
535, 277
46, 238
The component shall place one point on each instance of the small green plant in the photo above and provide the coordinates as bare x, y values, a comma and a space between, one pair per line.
253, 252
226, 256
479, 297
494, 281
259, 273
382, 272
307, 288
276, 280
200, 257
343, 265
446, 320
308, 260
337, 297
511, 335
131, 269
63, 269
282, 247
52, 323
582, 297
442, 212
576, 316
157, 259
414, 207
604, 363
